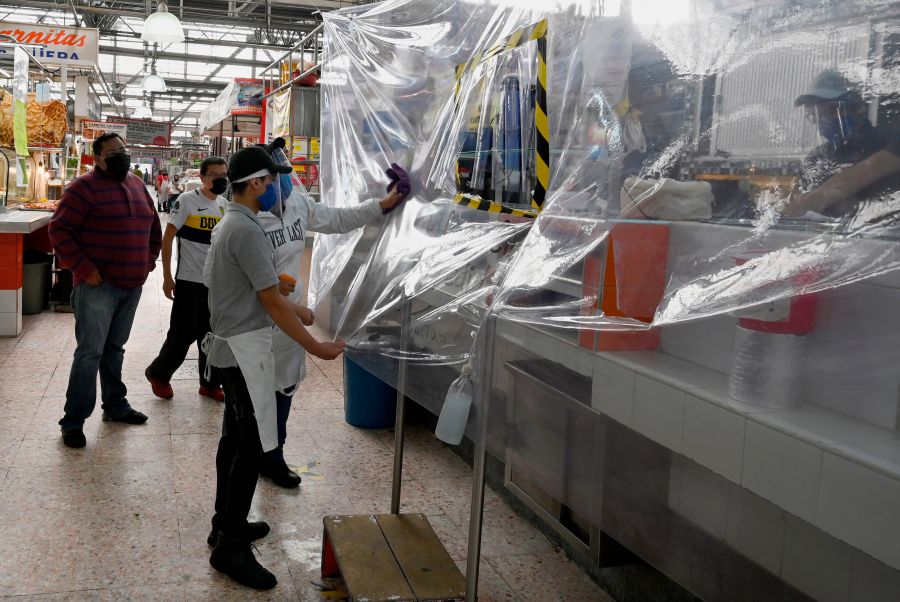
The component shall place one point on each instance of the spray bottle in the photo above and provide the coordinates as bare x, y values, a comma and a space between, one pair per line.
455, 414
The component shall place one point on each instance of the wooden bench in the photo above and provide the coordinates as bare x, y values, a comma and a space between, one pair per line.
389, 557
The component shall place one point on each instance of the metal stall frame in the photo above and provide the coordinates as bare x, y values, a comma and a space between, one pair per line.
271, 75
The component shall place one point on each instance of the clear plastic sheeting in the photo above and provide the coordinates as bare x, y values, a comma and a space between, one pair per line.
744, 146
665, 205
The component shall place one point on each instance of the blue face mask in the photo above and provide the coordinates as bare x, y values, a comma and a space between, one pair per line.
268, 198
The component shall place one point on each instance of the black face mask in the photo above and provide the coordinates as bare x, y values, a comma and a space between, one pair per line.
219, 185
118, 165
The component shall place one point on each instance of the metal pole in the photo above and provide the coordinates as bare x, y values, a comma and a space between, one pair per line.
476, 518
405, 321
296, 46
290, 83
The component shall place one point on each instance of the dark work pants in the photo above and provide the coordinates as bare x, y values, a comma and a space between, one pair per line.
188, 324
283, 411
238, 459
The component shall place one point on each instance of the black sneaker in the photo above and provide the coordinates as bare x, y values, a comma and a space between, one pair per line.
280, 474
74, 438
132, 416
253, 531
235, 558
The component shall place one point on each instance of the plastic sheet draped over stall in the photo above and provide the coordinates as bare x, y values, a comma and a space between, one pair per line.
692, 95
685, 179
618, 112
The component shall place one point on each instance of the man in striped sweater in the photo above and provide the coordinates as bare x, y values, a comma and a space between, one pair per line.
107, 232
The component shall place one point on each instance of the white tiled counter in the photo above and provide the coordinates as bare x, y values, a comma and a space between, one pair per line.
807, 496
15, 221
823, 472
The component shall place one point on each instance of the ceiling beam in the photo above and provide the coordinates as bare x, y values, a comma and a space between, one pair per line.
180, 56
212, 74
179, 95
314, 4
172, 82
248, 7
206, 41
290, 22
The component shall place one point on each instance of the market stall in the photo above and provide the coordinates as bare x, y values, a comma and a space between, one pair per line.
236, 116
646, 250
294, 106
53, 76
33, 133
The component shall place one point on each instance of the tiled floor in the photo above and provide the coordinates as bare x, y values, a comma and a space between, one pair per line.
126, 518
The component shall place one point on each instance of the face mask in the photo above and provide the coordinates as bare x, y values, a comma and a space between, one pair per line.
839, 128
219, 186
118, 165
268, 198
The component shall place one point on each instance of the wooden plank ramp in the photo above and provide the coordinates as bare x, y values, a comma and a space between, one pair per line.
390, 558
428, 567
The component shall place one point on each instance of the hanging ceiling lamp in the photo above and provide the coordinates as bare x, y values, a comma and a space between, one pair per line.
153, 83
162, 27
142, 112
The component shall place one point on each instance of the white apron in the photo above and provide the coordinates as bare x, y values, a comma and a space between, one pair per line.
256, 359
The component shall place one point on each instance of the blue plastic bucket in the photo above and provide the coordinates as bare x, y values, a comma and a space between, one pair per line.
369, 402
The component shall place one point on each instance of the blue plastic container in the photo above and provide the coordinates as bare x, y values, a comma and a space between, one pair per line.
369, 402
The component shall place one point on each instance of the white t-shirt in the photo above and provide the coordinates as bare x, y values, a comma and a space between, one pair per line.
194, 216
287, 236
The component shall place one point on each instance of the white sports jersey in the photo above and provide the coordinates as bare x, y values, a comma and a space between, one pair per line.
195, 216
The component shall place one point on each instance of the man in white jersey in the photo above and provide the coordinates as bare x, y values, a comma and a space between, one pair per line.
194, 215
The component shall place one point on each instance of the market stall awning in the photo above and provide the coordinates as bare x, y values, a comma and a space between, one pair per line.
237, 111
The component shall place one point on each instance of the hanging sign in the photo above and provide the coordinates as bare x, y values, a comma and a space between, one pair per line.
153, 153
90, 130
20, 98
53, 45
20, 115
145, 131
280, 111
248, 96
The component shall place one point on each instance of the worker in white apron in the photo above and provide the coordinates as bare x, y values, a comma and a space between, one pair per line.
286, 226
245, 304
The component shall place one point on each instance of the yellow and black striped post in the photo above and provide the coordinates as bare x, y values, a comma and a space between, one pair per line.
473, 201
533, 33
542, 123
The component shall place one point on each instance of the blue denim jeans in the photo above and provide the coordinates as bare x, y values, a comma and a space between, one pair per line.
103, 318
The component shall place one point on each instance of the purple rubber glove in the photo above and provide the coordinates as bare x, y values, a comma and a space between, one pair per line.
400, 180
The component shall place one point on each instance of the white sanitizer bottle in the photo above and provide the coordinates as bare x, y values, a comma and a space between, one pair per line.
455, 414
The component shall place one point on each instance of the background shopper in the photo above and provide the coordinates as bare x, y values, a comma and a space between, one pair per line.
106, 232
194, 215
